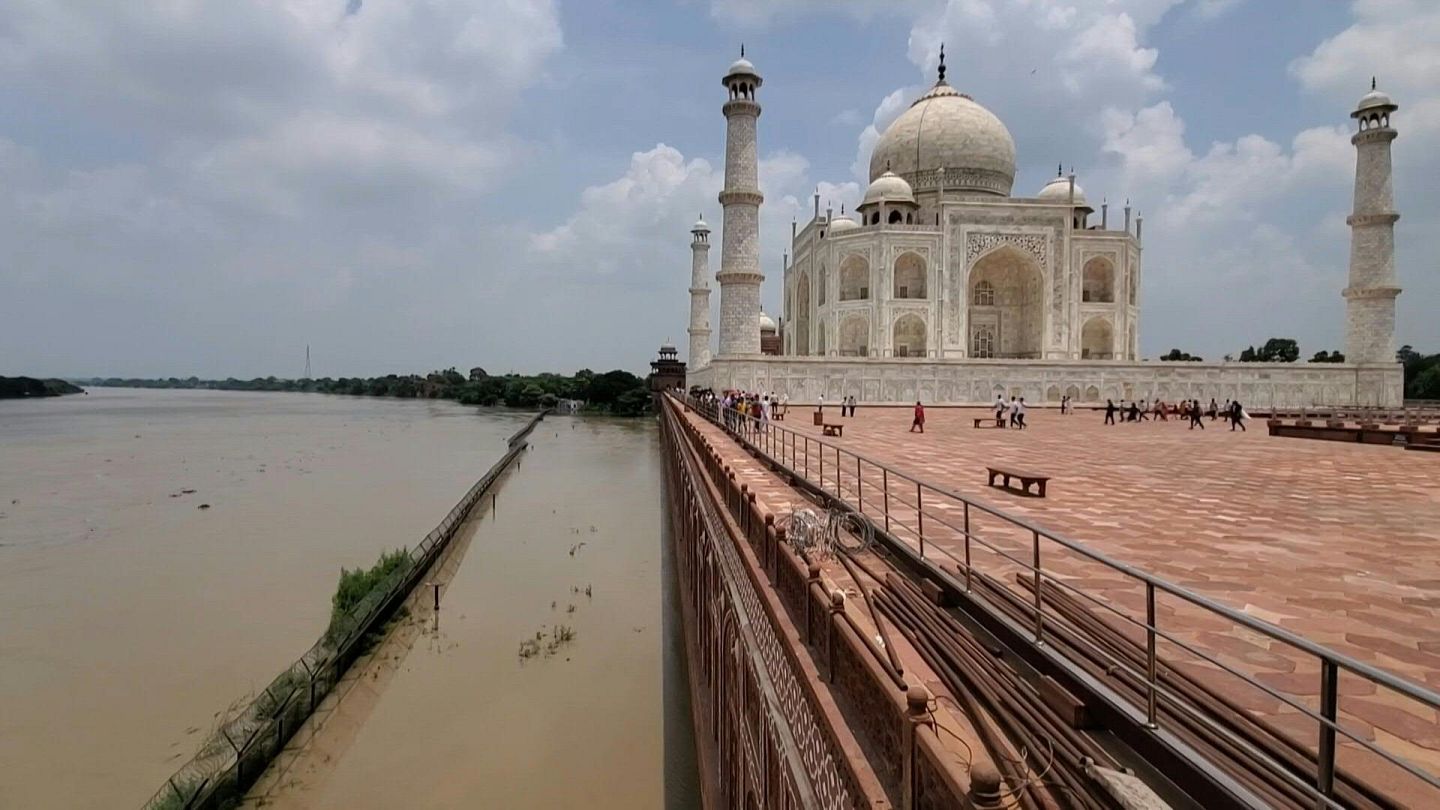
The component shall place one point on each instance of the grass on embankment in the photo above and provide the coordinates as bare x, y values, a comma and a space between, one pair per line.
355, 586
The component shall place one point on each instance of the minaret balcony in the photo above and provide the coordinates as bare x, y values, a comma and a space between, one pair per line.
1363, 293
1361, 220
741, 197
741, 106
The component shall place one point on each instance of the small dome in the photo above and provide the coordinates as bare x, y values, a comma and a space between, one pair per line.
767, 323
842, 223
741, 67
889, 187
1058, 190
946, 129
1374, 98
700, 225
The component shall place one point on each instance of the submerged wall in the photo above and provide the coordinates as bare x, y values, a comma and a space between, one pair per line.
975, 382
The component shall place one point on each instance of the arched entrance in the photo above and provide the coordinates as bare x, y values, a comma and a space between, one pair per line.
802, 314
909, 336
854, 278
855, 336
1097, 340
1009, 279
1097, 283
909, 276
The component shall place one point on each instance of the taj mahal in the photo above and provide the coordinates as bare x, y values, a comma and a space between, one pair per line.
943, 286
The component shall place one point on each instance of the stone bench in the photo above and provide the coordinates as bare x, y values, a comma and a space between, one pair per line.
1026, 480
998, 420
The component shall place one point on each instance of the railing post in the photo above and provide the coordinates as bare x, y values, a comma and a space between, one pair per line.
821, 445
832, 620
1329, 705
1039, 595
812, 578
859, 487
967, 546
1151, 697
920, 520
917, 714
885, 495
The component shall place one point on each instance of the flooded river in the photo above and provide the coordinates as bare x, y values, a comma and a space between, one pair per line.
129, 616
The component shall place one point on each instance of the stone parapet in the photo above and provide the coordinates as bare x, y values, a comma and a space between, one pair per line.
976, 382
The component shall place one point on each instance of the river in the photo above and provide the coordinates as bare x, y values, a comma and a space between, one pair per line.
130, 616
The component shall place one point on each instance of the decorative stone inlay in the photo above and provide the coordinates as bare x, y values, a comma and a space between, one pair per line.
1036, 245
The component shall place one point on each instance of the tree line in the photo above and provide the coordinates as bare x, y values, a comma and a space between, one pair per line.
1275, 350
617, 392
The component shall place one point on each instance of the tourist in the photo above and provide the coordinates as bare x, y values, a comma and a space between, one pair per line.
1214, 410
1195, 414
999, 407
1134, 413
1020, 413
1237, 417
1160, 411
852, 405
1144, 412
919, 421
1109, 411
1011, 412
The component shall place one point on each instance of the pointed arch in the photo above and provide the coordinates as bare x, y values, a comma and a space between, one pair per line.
854, 278
908, 336
1097, 340
855, 335
909, 276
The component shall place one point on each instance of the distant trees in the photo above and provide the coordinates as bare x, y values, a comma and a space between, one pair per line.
1422, 373
617, 392
1323, 356
1275, 350
1175, 355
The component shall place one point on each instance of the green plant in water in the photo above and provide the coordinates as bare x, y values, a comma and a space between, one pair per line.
358, 584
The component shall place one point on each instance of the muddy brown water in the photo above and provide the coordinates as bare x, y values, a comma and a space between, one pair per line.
129, 618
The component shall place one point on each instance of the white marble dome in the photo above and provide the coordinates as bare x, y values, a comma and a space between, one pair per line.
1374, 98
767, 323
888, 187
741, 67
1058, 190
842, 223
947, 129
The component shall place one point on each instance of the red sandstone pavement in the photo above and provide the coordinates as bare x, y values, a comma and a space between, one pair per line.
1335, 542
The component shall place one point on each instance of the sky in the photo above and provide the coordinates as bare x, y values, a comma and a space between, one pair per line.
199, 188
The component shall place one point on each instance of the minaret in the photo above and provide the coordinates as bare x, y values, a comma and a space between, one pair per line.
699, 295
1370, 298
740, 275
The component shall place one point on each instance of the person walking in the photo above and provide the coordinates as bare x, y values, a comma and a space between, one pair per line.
1144, 412
919, 421
1214, 409
1110, 411
1237, 417
1014, 412
1195, 415
1020, 413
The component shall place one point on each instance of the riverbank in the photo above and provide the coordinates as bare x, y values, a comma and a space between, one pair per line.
28, 387
133, 616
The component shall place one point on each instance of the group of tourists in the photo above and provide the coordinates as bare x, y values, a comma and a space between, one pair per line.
1014, 411
1187, 409
742, 411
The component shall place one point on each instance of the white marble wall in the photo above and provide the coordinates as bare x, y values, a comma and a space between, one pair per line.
959, 382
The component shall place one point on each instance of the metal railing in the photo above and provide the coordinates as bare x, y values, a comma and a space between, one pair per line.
241, 748
940, 526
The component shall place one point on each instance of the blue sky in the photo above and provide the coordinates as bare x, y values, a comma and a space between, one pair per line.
202, 188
